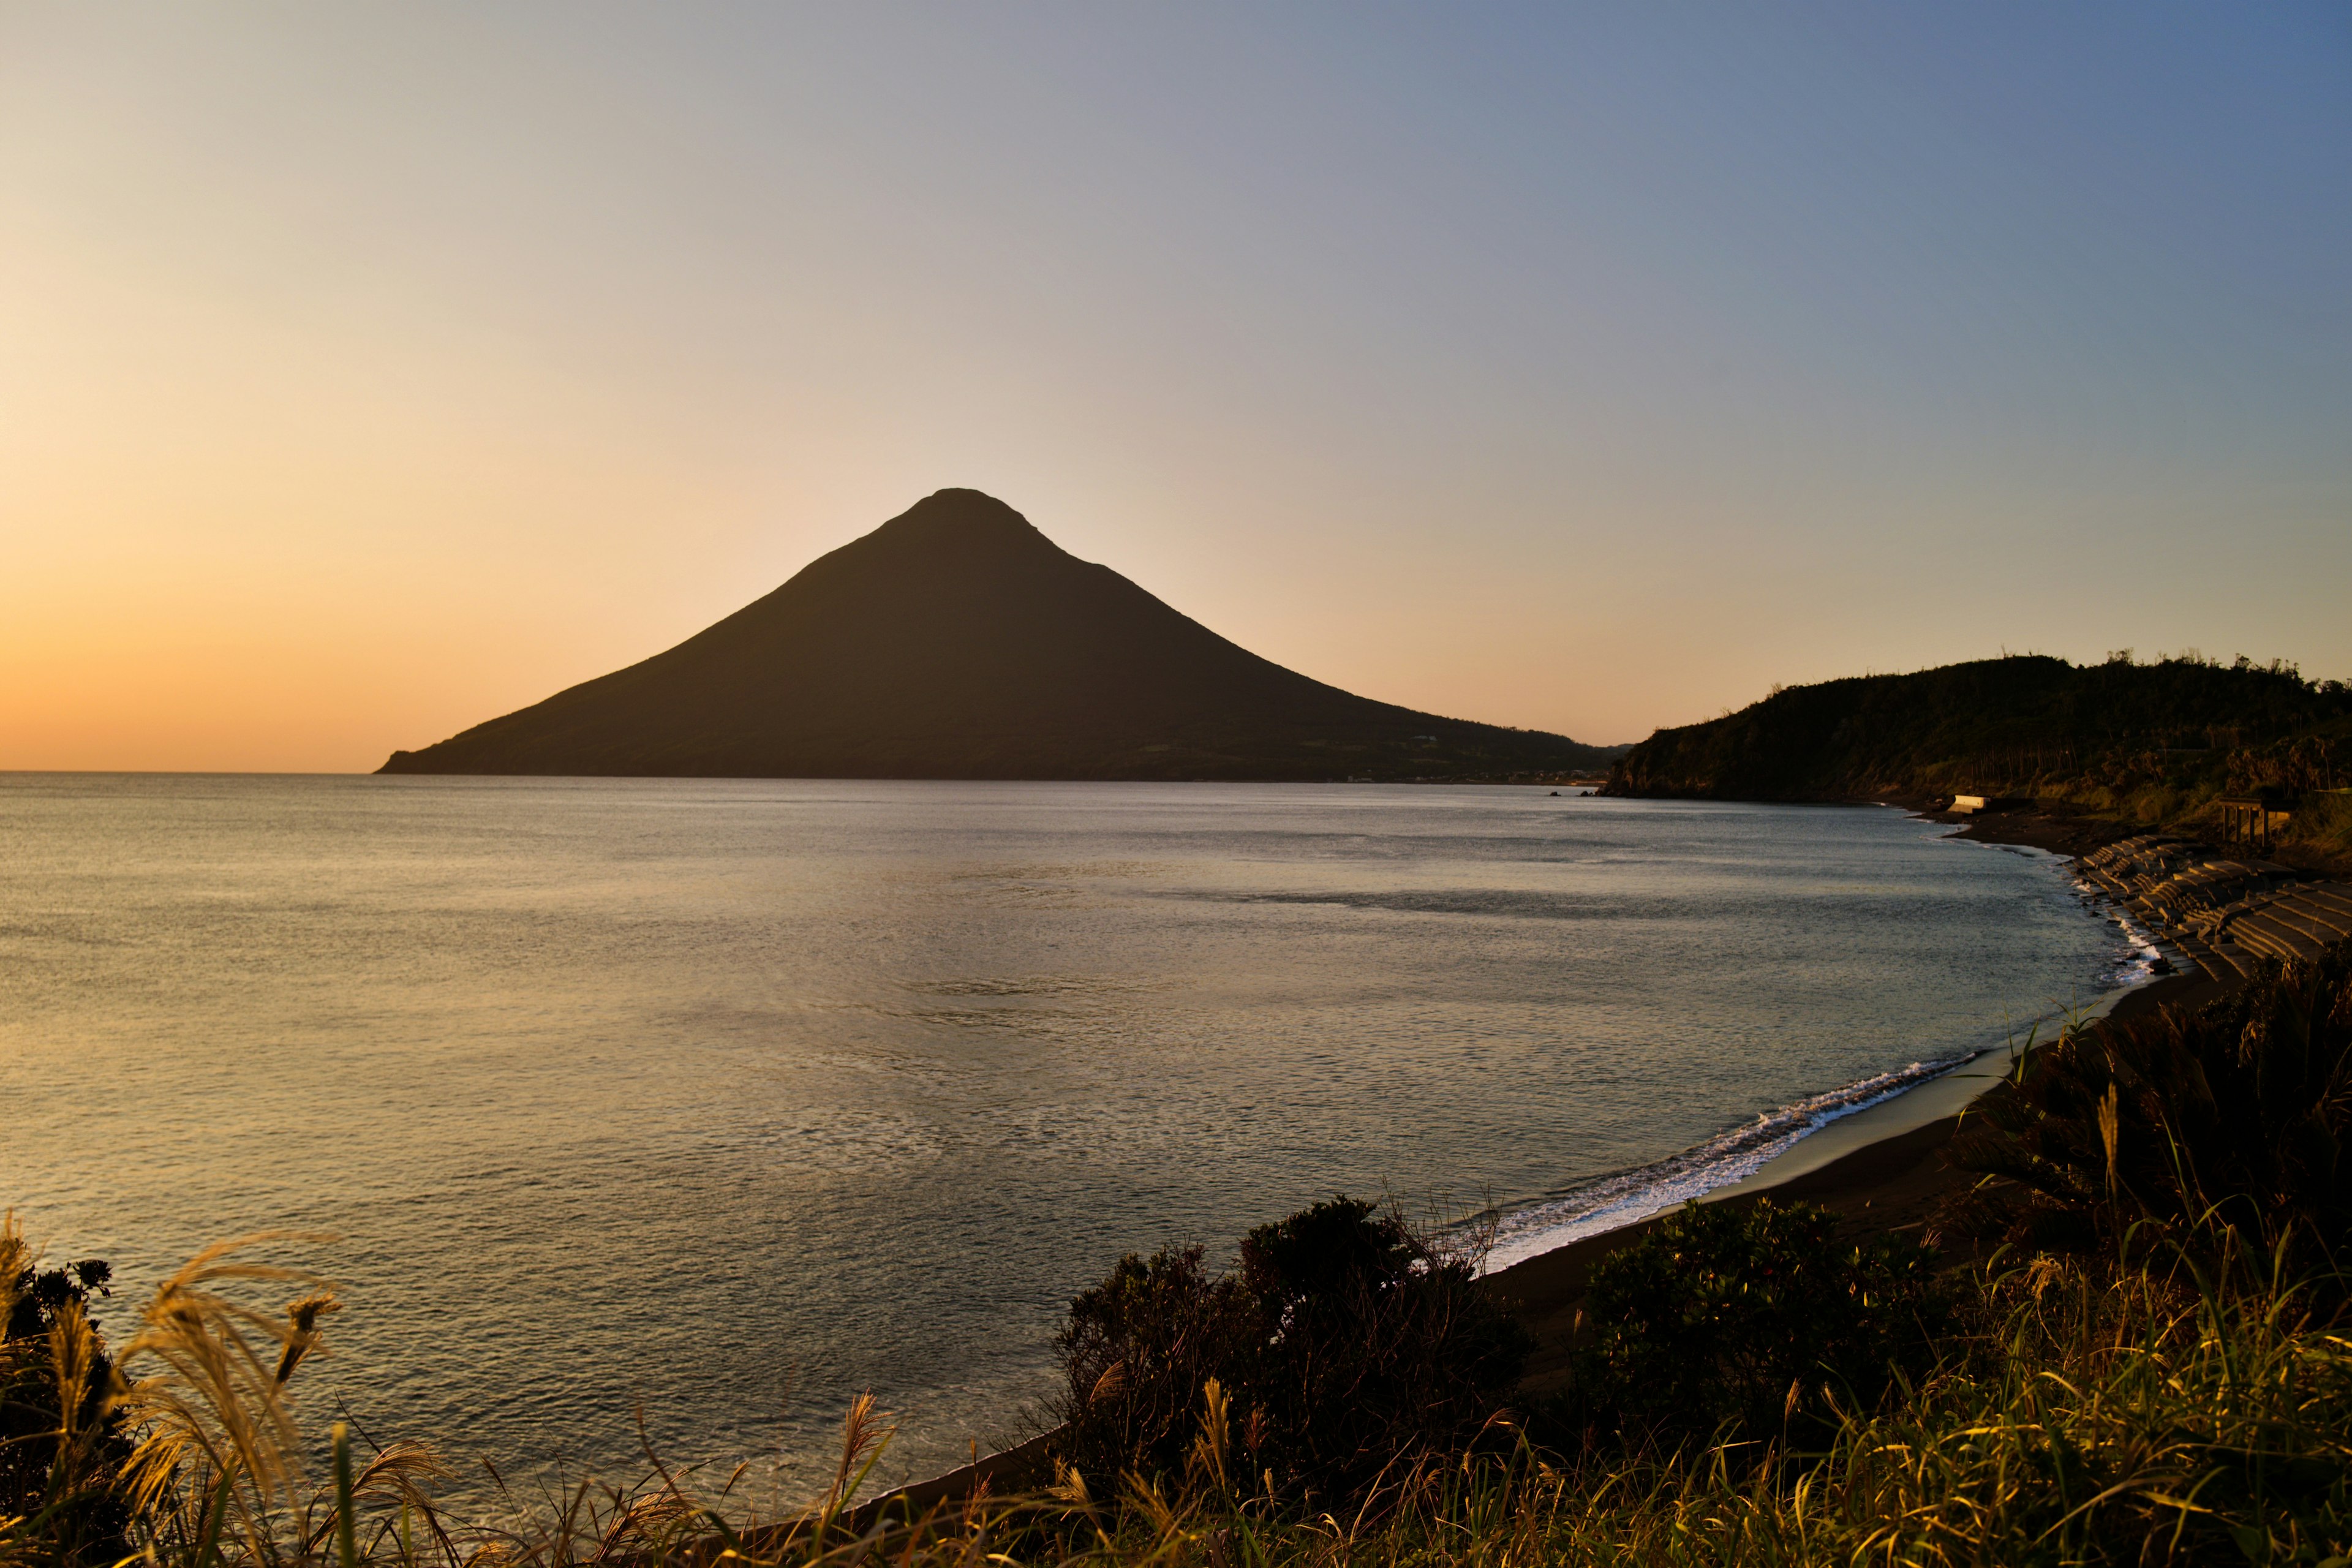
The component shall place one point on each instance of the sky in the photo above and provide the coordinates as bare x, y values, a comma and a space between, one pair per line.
370, 370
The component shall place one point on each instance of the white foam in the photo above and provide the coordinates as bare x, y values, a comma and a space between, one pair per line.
1613, 1201
2139, 968
1627, 1197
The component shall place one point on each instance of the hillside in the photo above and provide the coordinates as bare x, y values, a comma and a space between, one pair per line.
956, 641
2149, 742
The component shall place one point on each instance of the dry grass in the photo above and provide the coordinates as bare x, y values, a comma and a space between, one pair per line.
2096, 1413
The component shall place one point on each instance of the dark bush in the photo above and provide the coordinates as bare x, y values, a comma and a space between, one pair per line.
1373, 1344
1135, 1354
57, 1465
2240, 1111
1712, 1317
1347, 1344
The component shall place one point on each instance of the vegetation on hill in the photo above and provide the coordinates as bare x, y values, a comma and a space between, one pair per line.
2168, 1380
958, 642
2145, 1131
2157, 744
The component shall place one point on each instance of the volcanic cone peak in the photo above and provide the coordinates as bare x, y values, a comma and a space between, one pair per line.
957, 518
957, 641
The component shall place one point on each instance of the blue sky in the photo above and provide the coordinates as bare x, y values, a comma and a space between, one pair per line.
374, 369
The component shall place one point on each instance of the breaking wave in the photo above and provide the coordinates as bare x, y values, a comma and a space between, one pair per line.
1625, 1198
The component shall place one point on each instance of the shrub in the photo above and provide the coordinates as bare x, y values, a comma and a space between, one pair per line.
2083, 1415
1722, 1315
62, 1441
2242, 1107
2323, 822
1136, 1352
1345, 1343
1374, 1344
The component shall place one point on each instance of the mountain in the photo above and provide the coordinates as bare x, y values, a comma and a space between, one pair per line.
2102, 734
956, 641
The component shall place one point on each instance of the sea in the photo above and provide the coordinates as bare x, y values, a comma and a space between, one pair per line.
661, 1118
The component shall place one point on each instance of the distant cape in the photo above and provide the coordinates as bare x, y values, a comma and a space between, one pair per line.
2167, 735
958, 642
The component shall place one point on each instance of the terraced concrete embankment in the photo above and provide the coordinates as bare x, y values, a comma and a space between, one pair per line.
2224, 915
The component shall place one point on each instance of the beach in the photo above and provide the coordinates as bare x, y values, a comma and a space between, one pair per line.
1881, 1170
1888, 1184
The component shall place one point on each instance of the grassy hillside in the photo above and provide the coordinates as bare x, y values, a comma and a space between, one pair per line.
2152, 742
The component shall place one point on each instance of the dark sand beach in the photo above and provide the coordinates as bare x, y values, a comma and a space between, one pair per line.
1892, 1184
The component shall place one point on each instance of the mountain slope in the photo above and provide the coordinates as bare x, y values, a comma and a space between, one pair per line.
2002, 725
956, 641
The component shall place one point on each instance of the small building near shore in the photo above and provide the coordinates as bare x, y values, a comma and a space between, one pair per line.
1970, 804
2254, 820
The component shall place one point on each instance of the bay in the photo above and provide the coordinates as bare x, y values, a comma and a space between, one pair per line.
714, 1102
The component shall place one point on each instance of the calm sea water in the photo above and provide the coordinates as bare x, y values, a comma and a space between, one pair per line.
721, 1102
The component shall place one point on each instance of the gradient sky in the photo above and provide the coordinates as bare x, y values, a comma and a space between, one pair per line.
370, 370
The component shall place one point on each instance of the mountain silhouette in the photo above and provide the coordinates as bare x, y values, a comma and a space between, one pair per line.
956, 641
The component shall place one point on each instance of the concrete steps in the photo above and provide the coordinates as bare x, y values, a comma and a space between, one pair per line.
2228, 916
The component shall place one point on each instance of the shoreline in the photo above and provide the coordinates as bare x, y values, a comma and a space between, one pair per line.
1879, 1168
1882, 1168
1850, 1117
1888, 1178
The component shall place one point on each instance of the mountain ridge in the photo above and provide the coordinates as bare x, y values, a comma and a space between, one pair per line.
2106, 733
958, 641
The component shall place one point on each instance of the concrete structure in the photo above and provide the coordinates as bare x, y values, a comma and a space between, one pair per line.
2251, 819
2223, 915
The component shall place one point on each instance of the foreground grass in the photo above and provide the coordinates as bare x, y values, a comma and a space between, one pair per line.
2121, 1419
2093, 1417
2089, 1412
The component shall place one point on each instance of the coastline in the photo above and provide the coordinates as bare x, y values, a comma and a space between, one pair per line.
1877, 1168
1880, 1169
1947, 1096
1884, 1176
1809, 1134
